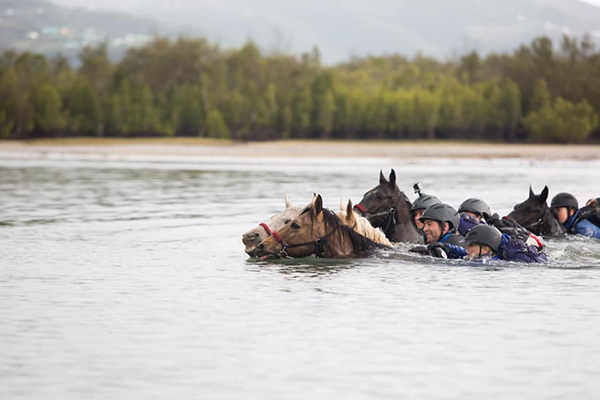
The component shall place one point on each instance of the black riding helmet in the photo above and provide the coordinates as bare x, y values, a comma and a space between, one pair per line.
565, 200
442, 213
476, 206
424, 201
485, 234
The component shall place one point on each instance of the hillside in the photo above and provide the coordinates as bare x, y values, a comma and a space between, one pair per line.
41, 26
352, 27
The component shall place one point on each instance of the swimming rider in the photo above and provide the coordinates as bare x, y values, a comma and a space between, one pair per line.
473, 212
584, 221
439, 225
419, 207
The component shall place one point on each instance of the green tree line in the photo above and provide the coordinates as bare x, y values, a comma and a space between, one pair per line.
541, 92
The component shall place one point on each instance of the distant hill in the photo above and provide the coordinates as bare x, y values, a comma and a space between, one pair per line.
340, 28
41, 26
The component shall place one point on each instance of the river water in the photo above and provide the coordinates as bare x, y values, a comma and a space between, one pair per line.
125, 278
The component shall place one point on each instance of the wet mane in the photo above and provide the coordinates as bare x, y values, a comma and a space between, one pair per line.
363, 227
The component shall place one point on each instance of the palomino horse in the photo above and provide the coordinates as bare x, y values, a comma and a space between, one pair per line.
257, 234
361, 225
387, 208
316, 231
535, 215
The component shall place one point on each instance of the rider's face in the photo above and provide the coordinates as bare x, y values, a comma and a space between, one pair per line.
477, 250
562, 214
418, 223
432, 230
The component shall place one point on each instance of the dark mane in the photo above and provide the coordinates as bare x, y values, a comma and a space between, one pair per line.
360, 243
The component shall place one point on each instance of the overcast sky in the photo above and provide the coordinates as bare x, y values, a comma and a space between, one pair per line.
127, 5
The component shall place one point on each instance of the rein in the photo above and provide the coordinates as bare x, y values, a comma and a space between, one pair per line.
391, 216
320, 244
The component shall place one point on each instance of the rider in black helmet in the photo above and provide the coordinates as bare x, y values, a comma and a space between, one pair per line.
472, 213
418, 208
420, 205
585, 221
440, 223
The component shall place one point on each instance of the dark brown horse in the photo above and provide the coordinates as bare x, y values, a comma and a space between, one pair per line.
535, 215
388, 208
316, 231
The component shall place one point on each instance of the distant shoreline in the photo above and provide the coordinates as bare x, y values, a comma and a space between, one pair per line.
201, 147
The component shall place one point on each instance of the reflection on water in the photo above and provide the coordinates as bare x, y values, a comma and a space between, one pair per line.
127, 279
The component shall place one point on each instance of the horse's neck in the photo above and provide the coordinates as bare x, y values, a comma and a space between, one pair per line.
340, 246
403, 230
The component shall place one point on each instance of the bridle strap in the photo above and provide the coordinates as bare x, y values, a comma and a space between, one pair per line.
320, 244
266, 228
539, 223
360, 208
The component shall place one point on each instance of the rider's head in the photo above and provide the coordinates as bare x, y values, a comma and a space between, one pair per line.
483, 240
438, 220
564, 205
475, 207
419, 207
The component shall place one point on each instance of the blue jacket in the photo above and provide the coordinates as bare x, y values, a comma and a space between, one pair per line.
510, 250
582, 227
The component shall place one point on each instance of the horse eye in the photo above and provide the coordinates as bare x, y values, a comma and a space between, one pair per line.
295, 225
287, 221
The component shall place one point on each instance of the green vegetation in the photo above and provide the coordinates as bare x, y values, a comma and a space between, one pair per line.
190, 87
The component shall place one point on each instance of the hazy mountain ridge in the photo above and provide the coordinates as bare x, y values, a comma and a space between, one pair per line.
343, 28
41, 26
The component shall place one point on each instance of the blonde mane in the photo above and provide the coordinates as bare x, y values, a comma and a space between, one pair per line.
362, 226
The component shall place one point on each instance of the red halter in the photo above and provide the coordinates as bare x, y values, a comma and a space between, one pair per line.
276, 236
360, 208
266, 228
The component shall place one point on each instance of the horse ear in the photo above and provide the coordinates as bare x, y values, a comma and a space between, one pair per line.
382, 179
312, 201
392, 177
341, 204
544, 195
288, 203
531, 194
349, 210
318, 208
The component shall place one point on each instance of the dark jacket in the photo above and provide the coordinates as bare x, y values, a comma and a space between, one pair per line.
510, 250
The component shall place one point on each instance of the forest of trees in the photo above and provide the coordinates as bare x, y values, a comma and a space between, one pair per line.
542, 92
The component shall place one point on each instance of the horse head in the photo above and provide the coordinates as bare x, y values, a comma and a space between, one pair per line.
388, 208
534, 215
317, 231
257, 234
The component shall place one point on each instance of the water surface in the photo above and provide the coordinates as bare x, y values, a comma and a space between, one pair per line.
126, 278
